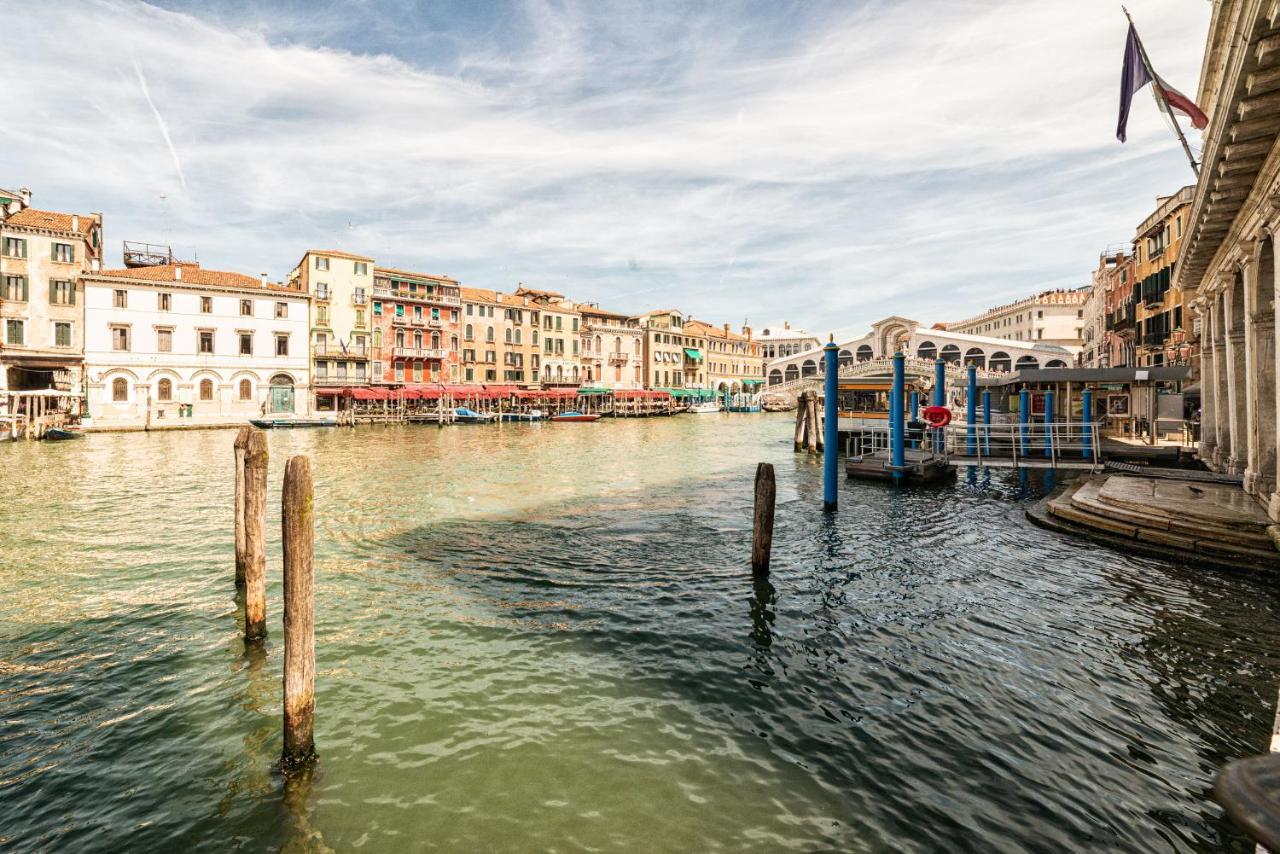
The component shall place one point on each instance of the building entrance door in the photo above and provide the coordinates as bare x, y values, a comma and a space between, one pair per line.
281, 394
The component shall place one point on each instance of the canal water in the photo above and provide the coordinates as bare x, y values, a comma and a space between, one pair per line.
546, 637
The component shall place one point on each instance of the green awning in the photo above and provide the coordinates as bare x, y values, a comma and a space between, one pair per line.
678, 392
692, 353
595, 391
753, 382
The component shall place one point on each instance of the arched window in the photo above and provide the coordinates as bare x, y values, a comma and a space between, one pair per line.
507, 335
1000, 361
617, 344
775, 376
846, 358
864, 353
809, 368
488, 335
417, 340
467, 333
246, 390
517, 336
637, 346
119, 389
1055, 363
951, 354
793, 373
164, 390
927, 350
435, 340
975, 356
1028, 363
206, 389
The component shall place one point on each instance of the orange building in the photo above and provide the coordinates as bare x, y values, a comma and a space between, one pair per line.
415, 327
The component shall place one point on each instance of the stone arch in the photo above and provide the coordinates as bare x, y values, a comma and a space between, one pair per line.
927, 350
119, 387
975, 356
846, 358
865, 353
951, 354
892, 336
1000, 361
735, 388
808, 368
775, 377
793, 372
1027, 363
1055, 363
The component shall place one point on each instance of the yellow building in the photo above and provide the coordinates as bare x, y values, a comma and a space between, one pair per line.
341, 286
670, 355
483, 348
42, 255
561, 325
1159, 305
734, 362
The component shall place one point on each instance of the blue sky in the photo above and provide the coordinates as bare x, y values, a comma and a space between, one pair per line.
828, 164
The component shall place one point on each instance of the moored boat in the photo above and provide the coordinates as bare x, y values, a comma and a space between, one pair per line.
463, 415
705, 407
531, 415
280, 423
61, 434
574, 416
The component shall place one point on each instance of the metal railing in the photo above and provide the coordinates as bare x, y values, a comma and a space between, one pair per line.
1035, 442
416, 353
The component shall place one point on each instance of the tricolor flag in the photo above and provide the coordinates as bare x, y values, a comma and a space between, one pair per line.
1136, 74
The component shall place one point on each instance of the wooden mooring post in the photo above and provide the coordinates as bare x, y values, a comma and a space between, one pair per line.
298, 535
242, 441
255, 555
762, 518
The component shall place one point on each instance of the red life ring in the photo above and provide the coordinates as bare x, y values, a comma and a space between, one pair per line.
937, 416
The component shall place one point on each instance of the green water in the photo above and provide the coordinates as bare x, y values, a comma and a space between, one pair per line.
546, 637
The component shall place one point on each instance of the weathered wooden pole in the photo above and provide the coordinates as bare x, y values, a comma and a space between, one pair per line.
298, 527
255, 523
811, 417
242, 441
802, 402
762, 518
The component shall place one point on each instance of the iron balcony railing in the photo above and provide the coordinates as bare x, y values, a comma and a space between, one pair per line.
417, 353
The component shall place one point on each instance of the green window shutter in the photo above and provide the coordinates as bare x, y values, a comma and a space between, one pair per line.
25, 291
71, 286
53, 292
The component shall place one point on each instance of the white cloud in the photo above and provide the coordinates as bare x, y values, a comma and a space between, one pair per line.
922, 158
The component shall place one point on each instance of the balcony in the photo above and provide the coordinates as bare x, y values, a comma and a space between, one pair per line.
417, 296
434, 323
337, 353
417, 353
417, 321
338, 381
359, 298
322, 292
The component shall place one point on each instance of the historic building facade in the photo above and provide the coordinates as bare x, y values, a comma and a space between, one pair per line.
176, 345
734, 362
665, 343
341, 286
612, 349
415, 320
1228, 256
1113, 280
1159, 304
1049, 317
780, 341
42, 256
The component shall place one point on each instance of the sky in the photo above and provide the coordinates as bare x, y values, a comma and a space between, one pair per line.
828, 164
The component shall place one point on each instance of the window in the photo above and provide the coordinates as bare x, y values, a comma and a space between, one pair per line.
1039, 315
13, 331
120, 339
377, 369
377, 308
377, 338
399, 372
282, 344
362, 268
322, 263
322, 315
488, 335
119, 389
63, 253
15, 247
362, 370
246, 390
206, 305
164, 391
469, 307
246, 308
322, 370
518, 336
206, 389
322, 290
399, 337
471, 375
164, 301
360, 317
469, 333
119, 299
62, 292
204, 342
62, 334
399, 310
417, 372
246, 343
15, 289
164, 340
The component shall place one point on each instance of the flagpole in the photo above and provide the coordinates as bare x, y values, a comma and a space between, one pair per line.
1155, 81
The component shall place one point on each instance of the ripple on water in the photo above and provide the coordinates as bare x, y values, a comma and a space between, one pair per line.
548, 638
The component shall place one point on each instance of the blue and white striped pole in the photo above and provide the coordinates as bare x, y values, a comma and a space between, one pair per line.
971, 410
896, 417
831, 427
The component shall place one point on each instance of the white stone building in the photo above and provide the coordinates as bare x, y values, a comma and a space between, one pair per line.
176, 345
1051, 317
777, 342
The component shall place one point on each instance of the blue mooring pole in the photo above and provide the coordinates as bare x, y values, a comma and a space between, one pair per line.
831, 427
1048, 424
914, 397
986, 421
1088, 424
896, 418
939, 396
971, 410
1024, 416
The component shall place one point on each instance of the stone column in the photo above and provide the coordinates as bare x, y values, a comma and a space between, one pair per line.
1247, 384
1237, 390
1221, 399
1208, 391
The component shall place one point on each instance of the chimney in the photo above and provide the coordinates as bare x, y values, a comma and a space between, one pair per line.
264, 280
25, 195
75, 222
786, 325
726, 330
177, 273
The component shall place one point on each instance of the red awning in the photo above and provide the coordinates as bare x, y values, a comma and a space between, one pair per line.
501, 390
422, 392
333, 392
371, 393
461, 390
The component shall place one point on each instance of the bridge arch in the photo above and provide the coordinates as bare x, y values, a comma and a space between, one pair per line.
1000, 361
951, 354
975, 356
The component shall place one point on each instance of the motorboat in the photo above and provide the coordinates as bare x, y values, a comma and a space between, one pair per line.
705, 407
531, 415
463, 415
574, 416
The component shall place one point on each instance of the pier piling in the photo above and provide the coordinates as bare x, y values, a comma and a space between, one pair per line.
802, 409
971, 412
242, 440
897, 417
1048, 424
762, 518
297, 522
811, 422
831, 427
1086, 413
939, 396
255, 555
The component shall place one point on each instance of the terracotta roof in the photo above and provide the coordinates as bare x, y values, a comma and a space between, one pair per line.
392, 271
661, 311
337, 254
192, 274
537, 293
32, 218
514, 301
600, 312
479, 295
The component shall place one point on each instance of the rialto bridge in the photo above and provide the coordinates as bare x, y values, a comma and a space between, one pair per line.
888, 336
